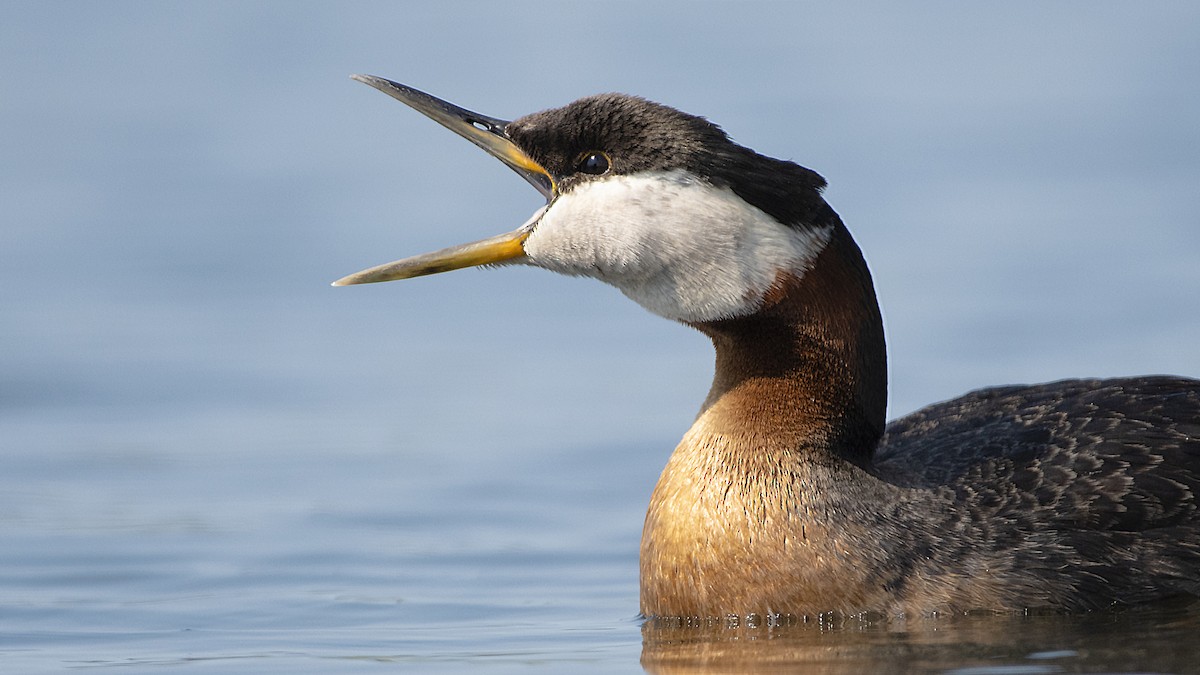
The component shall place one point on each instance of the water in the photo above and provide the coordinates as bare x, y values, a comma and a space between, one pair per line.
312, 561
353, 561
210, 460
1141, 640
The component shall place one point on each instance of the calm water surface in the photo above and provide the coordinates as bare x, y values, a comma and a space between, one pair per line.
212, 461
262, 558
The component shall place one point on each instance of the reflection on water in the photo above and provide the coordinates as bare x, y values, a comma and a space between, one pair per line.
1144, 639
210, 458
267, 558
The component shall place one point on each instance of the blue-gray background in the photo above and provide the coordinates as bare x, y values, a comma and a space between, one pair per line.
180, 182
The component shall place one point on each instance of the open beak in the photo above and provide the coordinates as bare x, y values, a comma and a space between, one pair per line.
487, 133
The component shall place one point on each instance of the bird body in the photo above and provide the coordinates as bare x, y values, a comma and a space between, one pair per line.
789, 495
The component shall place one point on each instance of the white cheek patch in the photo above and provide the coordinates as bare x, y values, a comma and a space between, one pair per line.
672, 243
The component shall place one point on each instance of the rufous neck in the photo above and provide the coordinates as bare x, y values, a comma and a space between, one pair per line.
809, 370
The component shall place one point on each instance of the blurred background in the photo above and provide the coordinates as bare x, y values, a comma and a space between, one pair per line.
180, 182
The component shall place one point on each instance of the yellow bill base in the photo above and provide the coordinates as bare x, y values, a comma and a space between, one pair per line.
498, 249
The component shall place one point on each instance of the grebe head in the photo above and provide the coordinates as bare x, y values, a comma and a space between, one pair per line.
657, 202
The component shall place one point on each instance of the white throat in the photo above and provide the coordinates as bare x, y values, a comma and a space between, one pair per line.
673, 243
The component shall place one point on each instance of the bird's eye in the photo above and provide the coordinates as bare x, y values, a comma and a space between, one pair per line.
594, 163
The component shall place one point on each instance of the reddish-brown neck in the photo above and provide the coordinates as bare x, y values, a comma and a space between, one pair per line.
809, 370
755, 507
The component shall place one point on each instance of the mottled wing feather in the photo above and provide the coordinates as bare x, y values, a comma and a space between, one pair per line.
1082, 492
1117, 454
